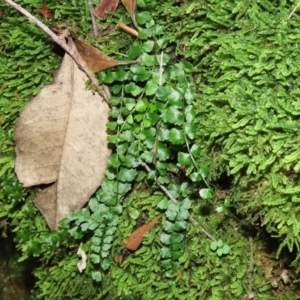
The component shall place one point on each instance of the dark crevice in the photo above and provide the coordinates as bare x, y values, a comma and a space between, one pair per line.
16, 278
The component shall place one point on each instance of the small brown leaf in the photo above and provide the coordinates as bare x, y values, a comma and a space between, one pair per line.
44, 11
118, 259
136, 237
130, 6
104, 6
61, 140
97, 60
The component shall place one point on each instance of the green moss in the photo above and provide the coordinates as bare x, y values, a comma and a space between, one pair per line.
245, 58
248, 115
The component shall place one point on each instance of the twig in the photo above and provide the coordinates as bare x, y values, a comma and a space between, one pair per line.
208, 234
128, 29
293, 11
250, 270
161, 69
167, 192
91, 7
71, 50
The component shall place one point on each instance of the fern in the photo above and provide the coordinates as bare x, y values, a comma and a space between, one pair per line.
245, 64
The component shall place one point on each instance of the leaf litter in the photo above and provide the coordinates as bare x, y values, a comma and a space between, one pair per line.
96, 60
111, 6
136, 237
61, 140
61, 137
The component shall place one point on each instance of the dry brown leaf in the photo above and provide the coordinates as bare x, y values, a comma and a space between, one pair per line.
61, 140
136, 237
97, 60
130, 6
45, 12
111, 5
104, 6
118, 259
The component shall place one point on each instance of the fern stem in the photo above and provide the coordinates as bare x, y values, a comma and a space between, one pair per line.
293, 11
167, 192
194, 162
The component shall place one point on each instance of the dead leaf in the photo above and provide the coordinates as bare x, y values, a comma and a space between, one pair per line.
61, 140
95, 59
81, 265
130, 6
105, 31
104, 6
118, 259
45, 12
136, 237
111, 6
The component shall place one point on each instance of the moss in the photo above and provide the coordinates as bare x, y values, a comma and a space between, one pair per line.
245, 59
248, 116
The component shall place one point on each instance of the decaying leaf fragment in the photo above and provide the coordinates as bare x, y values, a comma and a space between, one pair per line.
118, 259
104, 6
136, 237
285, 276
81, 265
44, 11
111, 5
61, 140
97, 60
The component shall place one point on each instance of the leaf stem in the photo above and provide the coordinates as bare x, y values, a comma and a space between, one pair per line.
167, 192
194, 162
161, 69
293, 11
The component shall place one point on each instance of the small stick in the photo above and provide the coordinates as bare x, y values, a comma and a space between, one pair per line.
128, 29
161, 69
91, 7
72, 51
293, 11
167, 192
250, 269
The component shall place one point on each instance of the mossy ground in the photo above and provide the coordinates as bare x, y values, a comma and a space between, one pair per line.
246, 69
